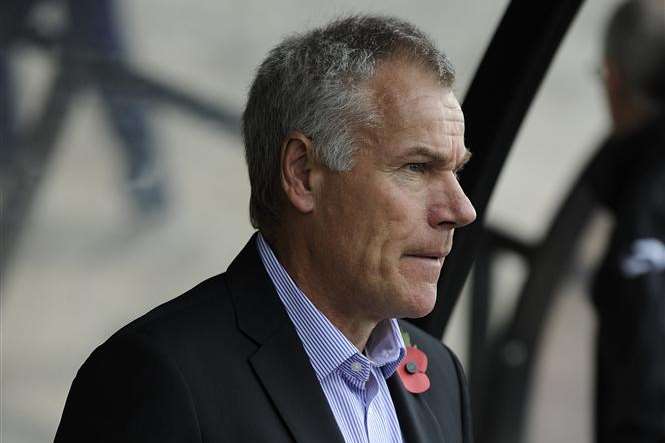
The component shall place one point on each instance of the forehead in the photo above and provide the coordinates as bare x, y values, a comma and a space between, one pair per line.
397, 82
414, 109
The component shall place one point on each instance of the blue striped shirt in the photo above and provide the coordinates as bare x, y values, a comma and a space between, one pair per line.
354, 384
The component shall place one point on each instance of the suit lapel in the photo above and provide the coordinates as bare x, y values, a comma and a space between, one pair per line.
416, 419
280, 362
287, 375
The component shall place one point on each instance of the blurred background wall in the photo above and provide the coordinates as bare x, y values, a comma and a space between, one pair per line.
95, 252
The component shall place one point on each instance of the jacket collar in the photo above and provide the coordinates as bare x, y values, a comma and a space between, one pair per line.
260, 314
280, 362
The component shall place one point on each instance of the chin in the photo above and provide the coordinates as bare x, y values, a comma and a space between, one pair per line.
421, 301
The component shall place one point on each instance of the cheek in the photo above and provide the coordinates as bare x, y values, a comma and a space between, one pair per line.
372, 224
394, 227
348, 228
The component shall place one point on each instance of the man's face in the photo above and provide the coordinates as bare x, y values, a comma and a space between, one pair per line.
384, 228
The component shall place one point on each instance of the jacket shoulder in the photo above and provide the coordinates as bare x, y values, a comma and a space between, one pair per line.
206, 304
191, 330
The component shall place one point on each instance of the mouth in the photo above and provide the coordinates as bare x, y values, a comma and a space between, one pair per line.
430, 256
423, 266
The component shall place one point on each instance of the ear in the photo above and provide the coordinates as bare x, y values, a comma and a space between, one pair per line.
296, 168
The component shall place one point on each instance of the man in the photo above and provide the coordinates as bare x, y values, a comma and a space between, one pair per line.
628, 177
353, 140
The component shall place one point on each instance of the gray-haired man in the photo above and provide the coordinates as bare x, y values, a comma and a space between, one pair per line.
353, 141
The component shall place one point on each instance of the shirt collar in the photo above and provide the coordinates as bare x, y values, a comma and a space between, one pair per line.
327, 348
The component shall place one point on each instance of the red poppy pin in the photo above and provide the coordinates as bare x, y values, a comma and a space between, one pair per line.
411, 369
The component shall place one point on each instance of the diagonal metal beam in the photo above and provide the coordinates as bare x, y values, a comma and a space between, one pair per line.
131, 82
505, 378
498, 99
20, 181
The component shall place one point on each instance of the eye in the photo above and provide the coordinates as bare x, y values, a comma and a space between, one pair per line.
417, 167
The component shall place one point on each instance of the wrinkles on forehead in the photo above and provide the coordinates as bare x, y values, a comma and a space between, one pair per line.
437, 109
414, 114
393, 95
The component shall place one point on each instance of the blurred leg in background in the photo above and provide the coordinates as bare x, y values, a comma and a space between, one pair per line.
13, 14
94, 33
93, 41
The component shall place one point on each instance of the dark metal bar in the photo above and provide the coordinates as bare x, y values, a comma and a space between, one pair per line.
126, 79
503, 241
479, 316
20, 180
138, 86
502, 90
500, 418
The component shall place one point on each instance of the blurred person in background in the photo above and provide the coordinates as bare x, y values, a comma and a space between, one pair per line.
90, 36
628, 177
353, 140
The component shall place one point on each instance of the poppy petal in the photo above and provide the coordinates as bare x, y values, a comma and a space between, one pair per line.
418, 357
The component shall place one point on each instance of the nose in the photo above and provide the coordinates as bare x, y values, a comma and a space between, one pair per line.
450, 206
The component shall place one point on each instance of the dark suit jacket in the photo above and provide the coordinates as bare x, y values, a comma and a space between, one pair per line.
223, 363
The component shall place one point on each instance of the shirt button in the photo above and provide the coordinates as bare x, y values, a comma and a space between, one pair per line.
356, 366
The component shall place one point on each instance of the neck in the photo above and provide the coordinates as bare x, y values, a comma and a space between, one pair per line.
321, 291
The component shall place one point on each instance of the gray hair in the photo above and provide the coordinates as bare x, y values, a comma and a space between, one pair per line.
315, 83
635, 42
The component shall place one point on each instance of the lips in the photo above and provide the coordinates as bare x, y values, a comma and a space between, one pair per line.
422, 266
431, 255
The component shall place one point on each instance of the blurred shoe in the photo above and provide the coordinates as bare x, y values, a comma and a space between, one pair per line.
149, 195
